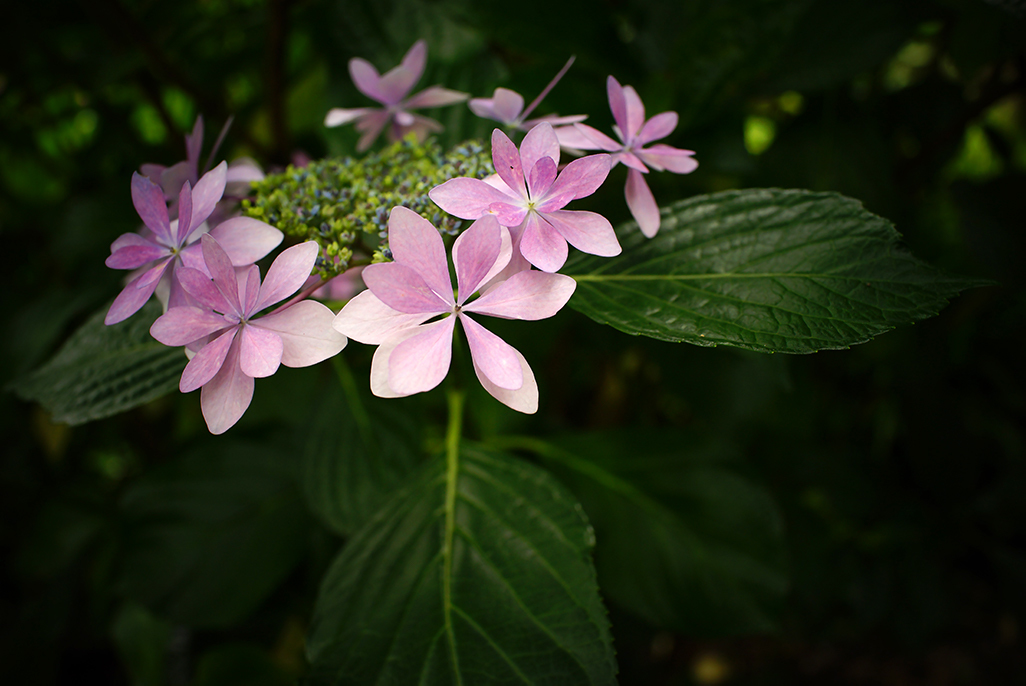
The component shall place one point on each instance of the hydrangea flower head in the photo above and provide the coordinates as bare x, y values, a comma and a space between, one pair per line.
239, 346
414, 353
634, 132
528, 195
390, 90
169, 244
507, 107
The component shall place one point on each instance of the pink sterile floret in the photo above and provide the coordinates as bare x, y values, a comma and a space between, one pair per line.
507, 107
634, 133
528, 196
171, 244
390, 90
239, 346
414, 353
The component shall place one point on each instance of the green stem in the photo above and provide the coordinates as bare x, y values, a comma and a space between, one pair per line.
452, 466
355, 403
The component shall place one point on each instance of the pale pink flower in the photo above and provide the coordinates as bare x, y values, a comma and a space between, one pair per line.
528, 196
414, 356
169, 244
390, 90
634, 133
241, 346
507, 107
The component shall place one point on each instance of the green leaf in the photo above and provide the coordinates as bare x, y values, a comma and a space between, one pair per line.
472, 575
142, 641
103, 370
209, 535
683, 540
763, 269
357, 450
239, 664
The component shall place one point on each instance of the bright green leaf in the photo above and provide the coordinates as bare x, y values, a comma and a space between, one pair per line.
209, 535
682, 539
476, 575
763, 269
103, 370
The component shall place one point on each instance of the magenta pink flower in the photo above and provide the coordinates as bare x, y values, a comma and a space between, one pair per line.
241, 346
507, 107
528, 196
634, 133
390, 90
170, 244
414, 356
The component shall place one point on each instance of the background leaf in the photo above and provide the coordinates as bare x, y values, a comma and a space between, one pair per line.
683, 540
209, 535
512, 601
103, 370
357, 449
764, 269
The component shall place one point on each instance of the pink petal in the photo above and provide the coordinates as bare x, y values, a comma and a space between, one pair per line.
395, 84
642, 203
183, 228
659, 126
366, 79
435, 96
617, 104
416, 243
242, 172
542, 245
135, 294
202, 289
418, 125
635, 114
221, 271
420, 362
529, 295
629, 159
541, 178
370, 126
588, 232
539, 142
246, 240
133, 253
663, 157
403, 289
205, 364
506, 160
468, 198
174, 177
505, 106
205, 195
379, 363
478, 251
249, 288
194, 144
484, 107
260, 351
494, 357
148, 199
570, 137
579, 179
368, 320
415, 59
498, 265
339, 116
305, 329
556, 121
516, 263
590, 138
224, 398
524, 399
183, 325
287, 274
152, 171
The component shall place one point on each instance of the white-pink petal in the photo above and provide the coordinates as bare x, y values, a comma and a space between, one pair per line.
524, 399
659, 126
539, 142
287, 274
306, 332
507, 163
479, 249
260, 351
366, 79
207, 362
403, 289
529, 295
339, 116
148, 199
468, 198
434, 96
184, 325
542, 245
579, 179
206, 194
368, 320
224, 398
587, 231
642, 203
494, 357
416, 243
421, 361
664, 157
635, 114
246, 240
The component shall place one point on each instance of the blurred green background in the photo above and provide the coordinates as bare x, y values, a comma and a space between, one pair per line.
898, 467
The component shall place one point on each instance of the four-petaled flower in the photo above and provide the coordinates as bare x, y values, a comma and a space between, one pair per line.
239, 346
634, 133
171, 244
529, 195
507, 107
414, 356
390, 90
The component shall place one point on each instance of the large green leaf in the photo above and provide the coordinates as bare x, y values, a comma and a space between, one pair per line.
683, 540
209, 535
474, 574
356, 451
103, 370
764, 269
